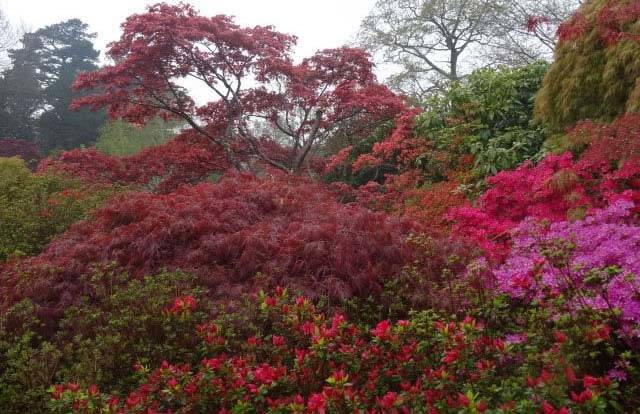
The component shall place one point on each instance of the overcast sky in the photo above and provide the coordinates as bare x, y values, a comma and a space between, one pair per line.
318, 24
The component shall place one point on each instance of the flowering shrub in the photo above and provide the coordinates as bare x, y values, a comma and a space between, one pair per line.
117, 323
295, 359
544, 191
237, 236
593, 263
186, 159
27, 150
555, 189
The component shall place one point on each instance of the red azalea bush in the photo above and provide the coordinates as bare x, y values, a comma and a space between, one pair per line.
27, 150
557, 188
544, 191
186, 159
237, 236
294, 359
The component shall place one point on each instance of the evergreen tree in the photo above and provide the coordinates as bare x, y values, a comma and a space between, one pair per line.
37, 89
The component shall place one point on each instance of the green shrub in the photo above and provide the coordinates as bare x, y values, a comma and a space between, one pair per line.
118, 324
121, 138
489, 116
590, 78
35, 208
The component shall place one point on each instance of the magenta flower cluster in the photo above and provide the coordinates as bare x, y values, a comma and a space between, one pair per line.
594, 263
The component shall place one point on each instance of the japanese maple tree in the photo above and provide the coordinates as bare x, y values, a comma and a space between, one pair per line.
252, 76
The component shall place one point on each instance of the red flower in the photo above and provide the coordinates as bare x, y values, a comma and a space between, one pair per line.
381, 331
388, 400
450, 357
570, 374
266, 374
588, 381
317, 404
581, 398
172, 383
183, 304
463, 400
57, 391
277, 340
560, 337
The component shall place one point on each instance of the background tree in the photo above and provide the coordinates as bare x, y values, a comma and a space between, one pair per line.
527, 29
431, 40
434, 42
8, 38
38, 86
121, 138
20, 100
250, 73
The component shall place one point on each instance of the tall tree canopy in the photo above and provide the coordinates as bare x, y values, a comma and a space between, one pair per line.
435, 42
528, 29
8, 37
428, 37
251, 75
37, 87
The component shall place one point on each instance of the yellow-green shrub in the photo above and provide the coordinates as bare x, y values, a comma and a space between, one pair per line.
34, 208
592, 77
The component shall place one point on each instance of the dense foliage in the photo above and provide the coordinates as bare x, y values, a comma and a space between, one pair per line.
28, 151
290, 358
186, 159
559, 187
596, 70
34, 209
310, 244
237, 236
594, 260
121, 138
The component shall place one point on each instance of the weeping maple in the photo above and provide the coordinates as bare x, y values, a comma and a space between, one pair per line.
252, 77
237, 236
596, 70
187, 159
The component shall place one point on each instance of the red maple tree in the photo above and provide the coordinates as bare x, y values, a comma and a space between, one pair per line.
252, 76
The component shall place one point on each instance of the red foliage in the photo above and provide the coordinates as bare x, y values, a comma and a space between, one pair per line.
612, 23
292, 232
534, 22
250, 71
27, 150
614, 19
186, 159
403, 195
572, 29
401, 146
608, 143
558, 186
334, 90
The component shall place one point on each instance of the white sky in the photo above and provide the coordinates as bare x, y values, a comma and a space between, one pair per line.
317, 24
